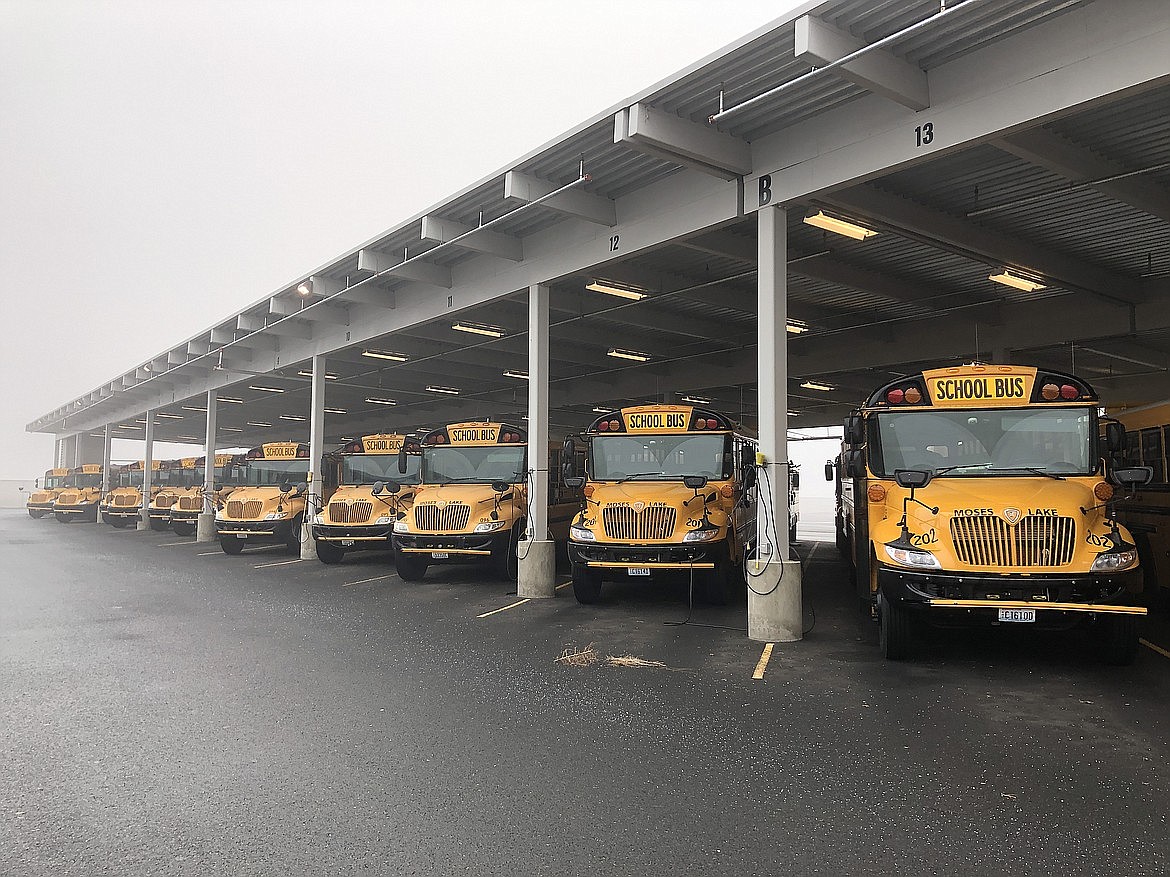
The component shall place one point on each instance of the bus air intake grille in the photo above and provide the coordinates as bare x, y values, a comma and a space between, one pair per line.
164, 500
125, 500
1034, 541
244, 510
350, 512
69, 497
428, 517
190, 503
625, 524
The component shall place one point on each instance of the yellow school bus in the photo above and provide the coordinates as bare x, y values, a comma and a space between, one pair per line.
40, 501
981, 495
122, 504
79, 501
174, 477
188, 502
269, 504
668, 492
1147, 512
471, 502
371, 495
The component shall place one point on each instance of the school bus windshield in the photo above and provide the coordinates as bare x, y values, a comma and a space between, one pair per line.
268, 473
481, 465
1056, 441
661, 457
366, 469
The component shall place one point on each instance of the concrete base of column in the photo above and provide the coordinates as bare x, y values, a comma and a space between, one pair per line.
537, 570
308, 546
144, 520
778, 617
205, 528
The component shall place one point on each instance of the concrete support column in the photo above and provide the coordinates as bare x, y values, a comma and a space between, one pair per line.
147, 471
205, 524
537, 566
76, 449
58, 453
774, 602
316, 497
107, 452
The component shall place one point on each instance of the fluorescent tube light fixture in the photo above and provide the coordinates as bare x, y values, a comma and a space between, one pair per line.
260, 423
265, 389
795, 327
817, 385
822, 220
231, 399
479, 329
511, 373
373, 400
696, 400
1016, 281
621, 290
193, 408
385, 354
336, 411
296, 417
448, 391
305, 373
168, 416
628, 354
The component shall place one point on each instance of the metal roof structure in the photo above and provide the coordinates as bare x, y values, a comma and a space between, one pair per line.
1052, 158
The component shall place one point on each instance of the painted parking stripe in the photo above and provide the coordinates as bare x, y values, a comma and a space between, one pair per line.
363, 581
563, 585
762, 664
209, 553
169, 544
278, 563
505, 608
1149, 645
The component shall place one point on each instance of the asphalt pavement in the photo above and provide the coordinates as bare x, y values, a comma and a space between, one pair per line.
168, 710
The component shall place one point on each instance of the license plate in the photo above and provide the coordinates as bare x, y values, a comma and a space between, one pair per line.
346, 543
638, 571
1017, 614
439, 555
241, 535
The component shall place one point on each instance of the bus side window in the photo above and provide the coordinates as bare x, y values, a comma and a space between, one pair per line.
1151, 445
1133, 449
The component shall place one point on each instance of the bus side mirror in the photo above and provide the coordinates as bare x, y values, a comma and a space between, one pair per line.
1132, 476
500, 486
830, 473
37, 483
855, 464
569, 458
303, 487
912, 479
285, 487
1114, 437
393, 487
574, 482
378, 487
695, 482
749, 476
854, 430
795, 480
402, 461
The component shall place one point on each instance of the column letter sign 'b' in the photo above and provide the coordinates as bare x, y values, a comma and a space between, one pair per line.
765, 189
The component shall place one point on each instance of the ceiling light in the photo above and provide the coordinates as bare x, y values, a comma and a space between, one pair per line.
336, 411
128, 426
167, 416
796, 327
628, 354
510, 373
265, 389
696, 400
620, 290
296, 417
794, 414
231, 399
1017, 281
449, 391
191, 438
230, 429
262, 424
816, 385
479, 329
375, 401
305, 287
597, 409
140, 420
305, 373
385, 354
193, 408
841, 226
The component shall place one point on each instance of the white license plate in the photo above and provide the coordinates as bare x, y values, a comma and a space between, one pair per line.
241, 535
346, 543
638, 571
1017, 614
439, 555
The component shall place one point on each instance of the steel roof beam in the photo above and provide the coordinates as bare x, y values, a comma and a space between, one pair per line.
1052, 152
285, 307
486, 241
575, 202
819, 43
681, 141
392, 267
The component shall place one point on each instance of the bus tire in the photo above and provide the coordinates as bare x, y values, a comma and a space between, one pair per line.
505, 556
231, 545
792, 533
183, 528
118, 523
158, 525
721, 585
1154, 596
36, 514
410, 568
327, 552
895, 631
1118, 643
586, 584
292, 541
63, 518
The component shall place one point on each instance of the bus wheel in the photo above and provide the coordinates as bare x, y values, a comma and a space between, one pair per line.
792, 534
118, 523
292, 542
158, 525
896, 630
1118, 639
505, 556
721, 585
327, 552
36, 513
231, 545
411, 567
63, 518
183, 528
586, 584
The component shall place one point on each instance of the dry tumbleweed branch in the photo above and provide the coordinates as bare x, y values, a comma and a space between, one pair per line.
584, 657
631, 661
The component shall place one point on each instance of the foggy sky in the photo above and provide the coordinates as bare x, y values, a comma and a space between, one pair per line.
165, 163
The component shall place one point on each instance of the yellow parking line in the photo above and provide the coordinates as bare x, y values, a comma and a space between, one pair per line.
504, 608
563, 585
363, 581
208, 553
762, 664
1149, 645
278, 563
169, 544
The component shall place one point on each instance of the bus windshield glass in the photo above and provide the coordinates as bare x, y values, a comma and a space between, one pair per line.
473, 465
998, 442
368, 468
91, 480
56, 482
272, 473
661, 457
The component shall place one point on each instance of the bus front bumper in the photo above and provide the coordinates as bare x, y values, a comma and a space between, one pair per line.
958, 599
610, 558
452, 548
84, 508
254, 531
354, 536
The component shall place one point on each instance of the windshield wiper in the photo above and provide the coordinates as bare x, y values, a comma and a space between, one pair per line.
641, 475
1031, 469
962, 466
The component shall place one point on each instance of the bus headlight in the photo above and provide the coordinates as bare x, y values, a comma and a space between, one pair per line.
490, 526
908, 557
385, 519
700, 536
275, 516
581, 534
1114, 561
401, 527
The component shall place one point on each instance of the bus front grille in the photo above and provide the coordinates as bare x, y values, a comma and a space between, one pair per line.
430, 518
164, 500
125, 500
350, 512
244, 510
69, 497
1035, 540
625, 524
190, 503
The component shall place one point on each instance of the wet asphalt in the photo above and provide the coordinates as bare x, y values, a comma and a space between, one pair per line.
168, 710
